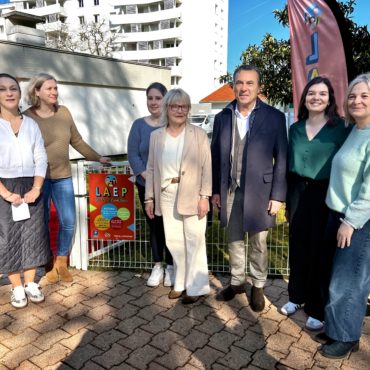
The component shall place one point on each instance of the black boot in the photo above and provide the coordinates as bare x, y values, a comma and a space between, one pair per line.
228, 293
257, 299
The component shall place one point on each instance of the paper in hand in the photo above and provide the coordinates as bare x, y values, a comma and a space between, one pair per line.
20, 212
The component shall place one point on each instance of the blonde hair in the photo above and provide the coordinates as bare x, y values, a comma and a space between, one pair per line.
35, 84
174, 95
361, 78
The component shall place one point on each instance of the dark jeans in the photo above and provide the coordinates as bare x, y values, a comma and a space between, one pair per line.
349, 288
157, 238
311, 244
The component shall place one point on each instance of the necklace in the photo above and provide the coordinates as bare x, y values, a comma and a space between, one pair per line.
15, 122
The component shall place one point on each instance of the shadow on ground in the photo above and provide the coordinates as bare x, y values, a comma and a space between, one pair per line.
112, 320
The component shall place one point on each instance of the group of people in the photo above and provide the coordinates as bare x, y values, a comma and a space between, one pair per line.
328, 208
35, 169
321, 169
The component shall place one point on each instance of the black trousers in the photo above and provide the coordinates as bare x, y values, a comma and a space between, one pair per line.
157, 238
311, 244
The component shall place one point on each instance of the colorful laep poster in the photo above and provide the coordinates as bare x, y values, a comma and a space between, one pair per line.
111, 207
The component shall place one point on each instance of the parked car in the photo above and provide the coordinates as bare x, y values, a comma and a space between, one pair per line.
205, 121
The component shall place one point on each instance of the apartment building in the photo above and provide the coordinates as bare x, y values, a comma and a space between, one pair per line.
189, 36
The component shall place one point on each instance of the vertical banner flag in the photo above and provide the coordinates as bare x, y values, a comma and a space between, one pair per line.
111, 207
316, 47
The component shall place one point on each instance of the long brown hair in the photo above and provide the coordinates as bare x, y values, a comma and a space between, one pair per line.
331, 111
35, 84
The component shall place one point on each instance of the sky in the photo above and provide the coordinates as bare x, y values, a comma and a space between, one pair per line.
250, 20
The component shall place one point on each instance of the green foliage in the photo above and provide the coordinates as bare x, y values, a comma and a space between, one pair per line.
272, 56
360, 39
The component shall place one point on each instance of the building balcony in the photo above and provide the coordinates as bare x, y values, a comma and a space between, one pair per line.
26, 35
51, 27
47, 10
118, 19
169, 33
149, 54
131, 2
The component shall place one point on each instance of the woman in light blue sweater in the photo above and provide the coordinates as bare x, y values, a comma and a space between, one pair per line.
349, 199
138, 151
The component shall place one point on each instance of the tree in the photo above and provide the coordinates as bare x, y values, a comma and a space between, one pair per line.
92, 38
272, 56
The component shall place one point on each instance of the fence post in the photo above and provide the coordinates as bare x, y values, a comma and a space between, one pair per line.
79, 254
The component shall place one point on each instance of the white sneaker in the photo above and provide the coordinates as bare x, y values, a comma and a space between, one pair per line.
18, 298
33, 292
156, 276
290, 308
314, 324
169, 276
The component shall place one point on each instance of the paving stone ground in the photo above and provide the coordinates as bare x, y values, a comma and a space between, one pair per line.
112, 320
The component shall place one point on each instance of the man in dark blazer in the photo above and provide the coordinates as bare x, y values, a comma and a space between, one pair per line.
249, 149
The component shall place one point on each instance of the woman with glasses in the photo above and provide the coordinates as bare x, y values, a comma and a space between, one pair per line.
178, 186
138, 150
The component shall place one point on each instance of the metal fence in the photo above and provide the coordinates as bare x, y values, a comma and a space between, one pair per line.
136, 254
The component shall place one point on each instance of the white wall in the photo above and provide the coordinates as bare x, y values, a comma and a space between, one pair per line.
104, 95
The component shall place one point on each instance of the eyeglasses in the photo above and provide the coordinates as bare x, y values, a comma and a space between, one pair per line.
177, 107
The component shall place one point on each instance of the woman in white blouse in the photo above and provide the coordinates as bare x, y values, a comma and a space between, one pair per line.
23, 163
178, 186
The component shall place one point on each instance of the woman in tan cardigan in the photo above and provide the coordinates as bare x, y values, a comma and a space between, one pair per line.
58, 131
178, 186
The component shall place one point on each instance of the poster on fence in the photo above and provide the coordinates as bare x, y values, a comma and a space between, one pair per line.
111, 207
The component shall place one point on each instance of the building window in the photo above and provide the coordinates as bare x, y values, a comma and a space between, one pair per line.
1, 29
175, 80
169, 4
96, 18
81, 3
96, 2
82, 19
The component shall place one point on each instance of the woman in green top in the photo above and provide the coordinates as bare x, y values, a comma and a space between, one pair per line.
313, 141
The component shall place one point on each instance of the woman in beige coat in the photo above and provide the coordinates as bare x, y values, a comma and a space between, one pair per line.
178, 186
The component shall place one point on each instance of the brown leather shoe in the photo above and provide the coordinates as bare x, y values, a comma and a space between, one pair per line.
173, 294
62, 269
189, 299
257, 299
228, 293
52, 275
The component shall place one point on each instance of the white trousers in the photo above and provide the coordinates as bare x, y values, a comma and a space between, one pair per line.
185, 239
